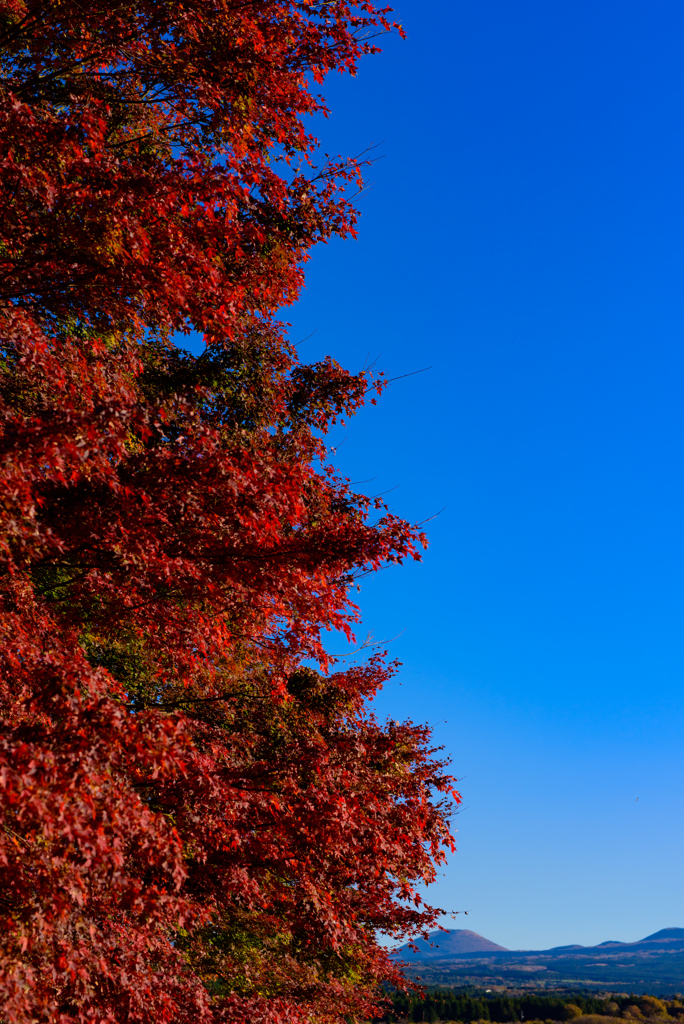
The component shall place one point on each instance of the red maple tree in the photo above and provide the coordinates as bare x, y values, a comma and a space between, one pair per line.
196, 824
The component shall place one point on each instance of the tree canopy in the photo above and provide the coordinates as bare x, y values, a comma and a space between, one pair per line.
202, 820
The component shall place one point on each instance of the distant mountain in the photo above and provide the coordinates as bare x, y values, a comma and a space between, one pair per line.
453, 943
666, 933
461, 957
460, 942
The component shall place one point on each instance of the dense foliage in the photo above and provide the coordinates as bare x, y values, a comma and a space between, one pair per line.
466, 1005
197, 824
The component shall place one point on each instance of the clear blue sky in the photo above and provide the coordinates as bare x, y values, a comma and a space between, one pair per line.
525, 238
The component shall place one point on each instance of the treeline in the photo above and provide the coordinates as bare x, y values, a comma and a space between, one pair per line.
441, 1004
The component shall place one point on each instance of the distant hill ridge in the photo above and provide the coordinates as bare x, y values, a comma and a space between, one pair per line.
461, 942
666, 933
463, 958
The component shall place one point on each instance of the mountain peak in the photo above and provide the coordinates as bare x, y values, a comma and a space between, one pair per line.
450, 943
666, 933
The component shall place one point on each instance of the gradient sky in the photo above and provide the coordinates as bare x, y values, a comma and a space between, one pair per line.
525, 238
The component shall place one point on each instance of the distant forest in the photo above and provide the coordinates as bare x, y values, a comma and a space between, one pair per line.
442, 1004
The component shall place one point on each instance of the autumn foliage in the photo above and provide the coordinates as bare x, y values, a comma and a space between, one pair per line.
197, 825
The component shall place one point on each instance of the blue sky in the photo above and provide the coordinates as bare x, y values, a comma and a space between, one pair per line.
525, 238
